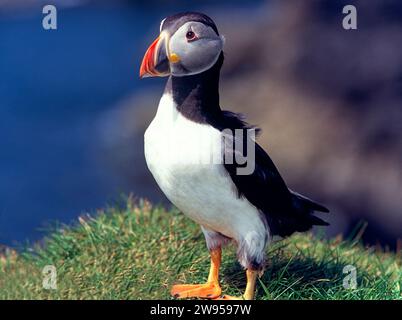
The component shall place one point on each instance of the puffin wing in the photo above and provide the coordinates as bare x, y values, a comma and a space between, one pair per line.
286, 211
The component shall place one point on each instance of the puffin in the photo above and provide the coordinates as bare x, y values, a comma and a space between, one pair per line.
207, 162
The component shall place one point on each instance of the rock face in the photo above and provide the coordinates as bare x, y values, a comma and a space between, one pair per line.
328, 100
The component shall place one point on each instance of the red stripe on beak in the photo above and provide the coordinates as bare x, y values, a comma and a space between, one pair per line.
147, 68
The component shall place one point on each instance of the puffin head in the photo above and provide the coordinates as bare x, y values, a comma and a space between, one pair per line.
189, 43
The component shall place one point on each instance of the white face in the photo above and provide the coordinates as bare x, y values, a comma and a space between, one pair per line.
197, 46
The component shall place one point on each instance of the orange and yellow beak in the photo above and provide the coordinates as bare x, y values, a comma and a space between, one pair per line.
150, 60
156, 61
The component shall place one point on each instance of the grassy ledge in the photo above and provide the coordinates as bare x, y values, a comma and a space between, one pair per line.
139, 251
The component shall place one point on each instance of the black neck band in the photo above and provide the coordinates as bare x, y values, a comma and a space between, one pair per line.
197, 96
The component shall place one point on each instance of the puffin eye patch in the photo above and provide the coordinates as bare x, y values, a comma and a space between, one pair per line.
190, 36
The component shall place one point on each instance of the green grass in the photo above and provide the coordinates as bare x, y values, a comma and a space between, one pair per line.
138, 252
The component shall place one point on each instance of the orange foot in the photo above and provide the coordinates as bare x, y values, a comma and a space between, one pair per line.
207, 290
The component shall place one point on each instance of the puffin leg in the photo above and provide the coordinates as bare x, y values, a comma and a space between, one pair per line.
250, 288
211, 289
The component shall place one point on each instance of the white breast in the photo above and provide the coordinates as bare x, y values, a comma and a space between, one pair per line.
185, 160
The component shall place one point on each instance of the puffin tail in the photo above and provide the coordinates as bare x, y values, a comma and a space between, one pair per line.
307, 207
306, 203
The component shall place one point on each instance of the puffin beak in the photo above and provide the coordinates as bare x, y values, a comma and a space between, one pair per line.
155, 62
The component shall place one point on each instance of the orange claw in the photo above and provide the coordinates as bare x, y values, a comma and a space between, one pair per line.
206, 290
209, 290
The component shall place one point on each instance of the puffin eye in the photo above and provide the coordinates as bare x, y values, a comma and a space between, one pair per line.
190, 36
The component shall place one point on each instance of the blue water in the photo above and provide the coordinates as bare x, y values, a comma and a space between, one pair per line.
54, 86
54, 83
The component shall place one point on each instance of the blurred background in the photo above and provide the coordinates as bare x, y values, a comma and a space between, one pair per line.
73, 110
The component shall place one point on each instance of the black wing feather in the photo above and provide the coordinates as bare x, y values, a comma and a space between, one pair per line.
286, 211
